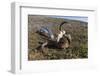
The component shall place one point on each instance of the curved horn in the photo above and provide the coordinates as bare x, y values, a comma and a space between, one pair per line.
60, 27
68, 36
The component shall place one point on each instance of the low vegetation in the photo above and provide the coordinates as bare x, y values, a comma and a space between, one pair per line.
79, 44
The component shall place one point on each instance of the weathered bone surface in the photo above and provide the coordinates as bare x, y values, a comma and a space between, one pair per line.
62, 41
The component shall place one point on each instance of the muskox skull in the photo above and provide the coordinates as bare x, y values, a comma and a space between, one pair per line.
62, 41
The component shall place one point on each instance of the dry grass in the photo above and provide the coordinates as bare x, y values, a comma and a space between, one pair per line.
77, 29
